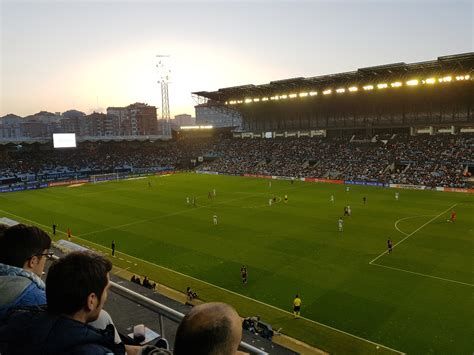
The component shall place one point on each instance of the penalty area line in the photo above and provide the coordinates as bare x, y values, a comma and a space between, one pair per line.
403, 219
416, 230
425, 275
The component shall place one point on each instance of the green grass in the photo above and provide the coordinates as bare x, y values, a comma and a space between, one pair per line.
408, 301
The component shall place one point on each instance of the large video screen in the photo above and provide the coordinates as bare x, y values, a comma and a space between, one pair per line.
64, 140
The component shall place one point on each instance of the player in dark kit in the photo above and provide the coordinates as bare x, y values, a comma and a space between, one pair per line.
243, 273
54, 228
113, 247
364, 199
389, 245
346, 211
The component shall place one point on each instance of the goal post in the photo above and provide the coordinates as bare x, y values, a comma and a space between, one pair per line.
104, 177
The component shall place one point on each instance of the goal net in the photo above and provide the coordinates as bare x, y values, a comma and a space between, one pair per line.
104, 177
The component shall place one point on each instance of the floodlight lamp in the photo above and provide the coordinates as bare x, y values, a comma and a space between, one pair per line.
460, 77
430, 81
368, 87
340, 90
292, 96
247, 101
240, 101
256, 99
327, 92
313, 93
303, 94
413, 82
382, 86
466, 77
353, 89
396, 84
446, 79
264, 98
283, 97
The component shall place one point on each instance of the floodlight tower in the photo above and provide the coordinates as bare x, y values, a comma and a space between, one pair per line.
164, 73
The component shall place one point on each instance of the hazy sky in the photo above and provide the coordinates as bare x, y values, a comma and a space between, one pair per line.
59, 55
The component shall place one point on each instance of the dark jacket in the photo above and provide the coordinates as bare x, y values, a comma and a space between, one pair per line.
33, 331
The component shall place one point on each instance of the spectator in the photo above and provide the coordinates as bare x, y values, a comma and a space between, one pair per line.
211, 328
20, 287
62, 328
23, 253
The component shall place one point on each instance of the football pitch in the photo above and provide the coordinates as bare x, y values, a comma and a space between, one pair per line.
417, 300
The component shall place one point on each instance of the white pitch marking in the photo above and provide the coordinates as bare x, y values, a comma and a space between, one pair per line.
402, 219
120, 270
416, 230
425, 275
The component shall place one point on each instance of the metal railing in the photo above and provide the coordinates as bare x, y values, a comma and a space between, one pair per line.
167, 312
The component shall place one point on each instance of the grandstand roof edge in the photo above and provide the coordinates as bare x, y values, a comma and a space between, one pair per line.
223, 94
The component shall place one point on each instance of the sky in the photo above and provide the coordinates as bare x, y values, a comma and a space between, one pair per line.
89, 55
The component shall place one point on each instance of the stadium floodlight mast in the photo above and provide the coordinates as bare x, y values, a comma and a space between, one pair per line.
164, 73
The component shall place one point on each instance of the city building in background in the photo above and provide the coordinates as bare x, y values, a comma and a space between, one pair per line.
137, 119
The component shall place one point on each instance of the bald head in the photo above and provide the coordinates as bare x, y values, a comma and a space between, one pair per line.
209, 329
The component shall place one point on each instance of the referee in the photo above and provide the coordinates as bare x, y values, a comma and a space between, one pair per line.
296, 306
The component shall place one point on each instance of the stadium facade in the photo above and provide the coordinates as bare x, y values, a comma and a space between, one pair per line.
398, 97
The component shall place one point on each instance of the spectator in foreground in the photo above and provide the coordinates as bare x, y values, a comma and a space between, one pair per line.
23, 253
77, 287
20, 280
210, 328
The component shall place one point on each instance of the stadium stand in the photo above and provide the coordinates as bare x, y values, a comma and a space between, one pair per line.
438, 160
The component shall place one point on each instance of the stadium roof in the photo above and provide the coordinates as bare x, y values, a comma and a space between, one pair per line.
459, 63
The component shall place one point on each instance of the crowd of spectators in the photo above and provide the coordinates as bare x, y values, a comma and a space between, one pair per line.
439, 160
420, 160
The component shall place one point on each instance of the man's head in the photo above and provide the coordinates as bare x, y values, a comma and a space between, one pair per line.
25, 246
77, 285
211, 329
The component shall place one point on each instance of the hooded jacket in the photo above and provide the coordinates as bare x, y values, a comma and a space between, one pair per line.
33, 330
19, 288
